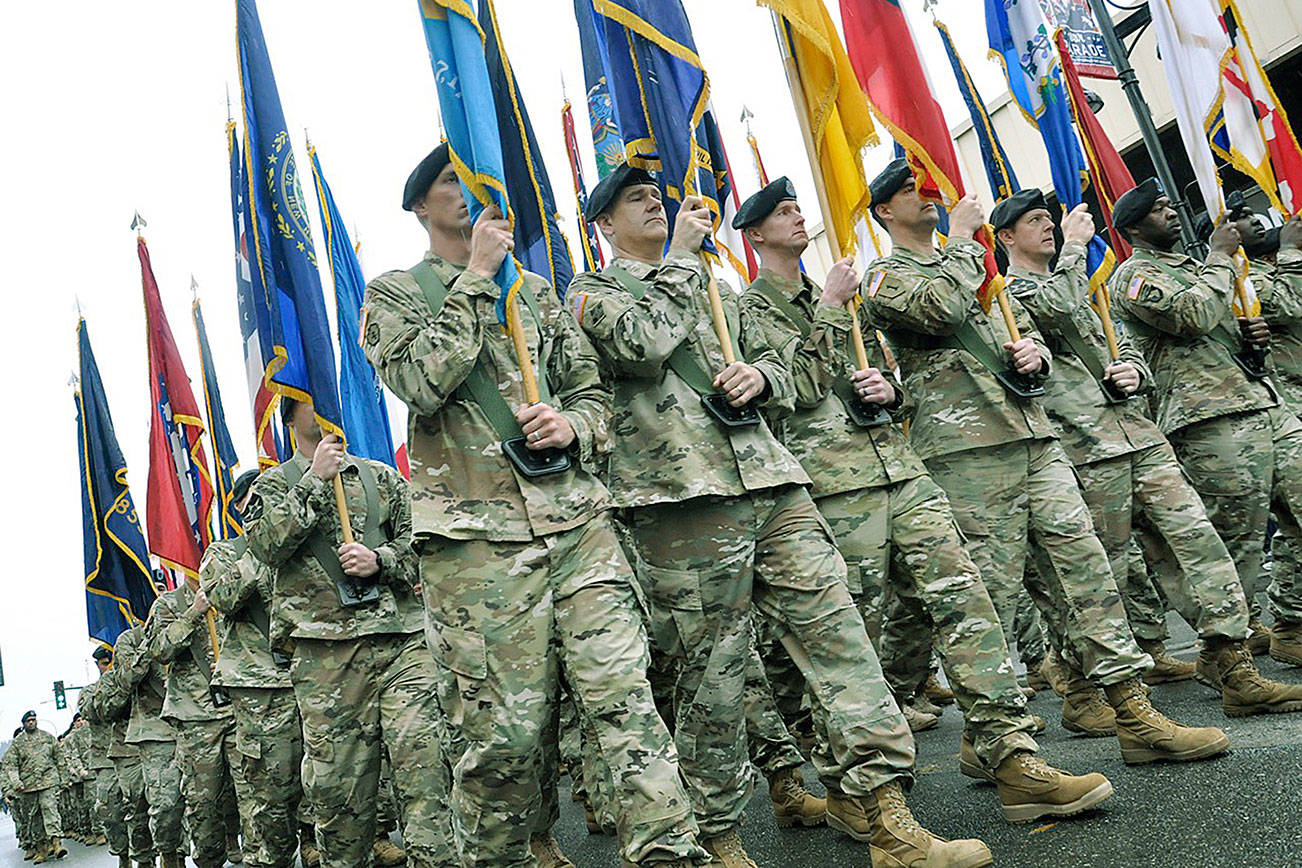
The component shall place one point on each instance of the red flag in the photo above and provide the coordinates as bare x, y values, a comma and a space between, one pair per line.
180, 492
886, 62
1108, 172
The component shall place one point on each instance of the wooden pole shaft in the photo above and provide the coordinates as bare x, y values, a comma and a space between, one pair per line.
212, 634
341, 505
1109, 330
856, 337
522, 354
1007, 310
716, 312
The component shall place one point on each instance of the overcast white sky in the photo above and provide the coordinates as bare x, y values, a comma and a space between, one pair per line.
118, 107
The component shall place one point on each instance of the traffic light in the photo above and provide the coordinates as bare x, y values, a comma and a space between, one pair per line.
60, 700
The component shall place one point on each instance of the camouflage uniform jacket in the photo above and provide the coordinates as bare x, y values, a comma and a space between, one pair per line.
34, 761
463, 485
837, 454
913, 297
143, 681
1280, 289
1172, 305
76, 751
237, 586
1091, 428
667, 447
305, 601
99, 733
178, 638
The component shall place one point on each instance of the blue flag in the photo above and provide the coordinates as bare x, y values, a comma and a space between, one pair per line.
606, 141
539, 243
255, 317
465, 90
1019, 34
303, 359
119, 590
361, 399
661, 96
224, 457
999, 172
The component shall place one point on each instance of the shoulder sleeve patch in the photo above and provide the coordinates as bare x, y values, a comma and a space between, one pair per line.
1135, 288
875, 283
578, 301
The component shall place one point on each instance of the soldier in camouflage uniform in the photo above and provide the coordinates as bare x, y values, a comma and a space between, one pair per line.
1276, 271
1238, 441
998, 458
719, 517
145, 680
521, 575
35, 767
347, 613
890, 521
268, 729
107, 805
72, 799
20, 811
111, 703
1127, 470
177, 636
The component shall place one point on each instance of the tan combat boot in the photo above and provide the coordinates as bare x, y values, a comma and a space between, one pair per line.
1286, 642
918, 720
42, 854
548, 852
310, 855
728, 851
1030, 788
937, 692
1085, 709
970, 765
793, 805
1244, 690
1146, 735
926, 706
388, 853
1166, 667
1259, 636
57, 850
895, 839
1055, 672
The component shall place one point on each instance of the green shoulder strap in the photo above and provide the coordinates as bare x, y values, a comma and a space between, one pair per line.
256, 610
322, 549
680, 361
480, 386
1221, 334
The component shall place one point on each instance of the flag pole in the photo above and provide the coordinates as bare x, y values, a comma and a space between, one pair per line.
1105, 314
711, 285
1144, 118
802, 115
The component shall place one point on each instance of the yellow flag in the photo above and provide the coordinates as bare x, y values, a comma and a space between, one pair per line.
835, 109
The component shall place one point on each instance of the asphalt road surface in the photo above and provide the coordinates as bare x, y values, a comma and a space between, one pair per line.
1242, 809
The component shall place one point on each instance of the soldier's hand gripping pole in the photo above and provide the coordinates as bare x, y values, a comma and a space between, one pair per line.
530, 462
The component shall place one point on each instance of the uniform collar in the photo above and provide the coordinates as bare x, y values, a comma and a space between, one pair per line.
636, 267
932, 258
792, 289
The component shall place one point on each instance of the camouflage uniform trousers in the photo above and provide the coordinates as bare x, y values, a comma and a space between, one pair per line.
70, 810
356, 697
1029, 629
506, 618
1146, 490
705, 561
26, 810
269, 752
771, 747
205, 751
387, 813
903, 536
43, 814
109, 809
162, 775
1145, 605
1246, 466
135, 807
1014, 495
1285, 591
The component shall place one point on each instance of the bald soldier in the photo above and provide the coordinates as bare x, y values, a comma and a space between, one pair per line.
718, 515
521, 570
1237, 439
1128, 472
890, 520
986, 440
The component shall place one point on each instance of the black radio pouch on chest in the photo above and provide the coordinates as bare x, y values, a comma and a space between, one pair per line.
353, 590
680, 361
480, 388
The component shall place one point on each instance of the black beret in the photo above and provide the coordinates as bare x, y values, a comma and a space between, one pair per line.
1008, 211
28, 714
1134, 204
761, 205
421, 177
242, 485
102, 653
608, 188
1236, 206
890, 180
